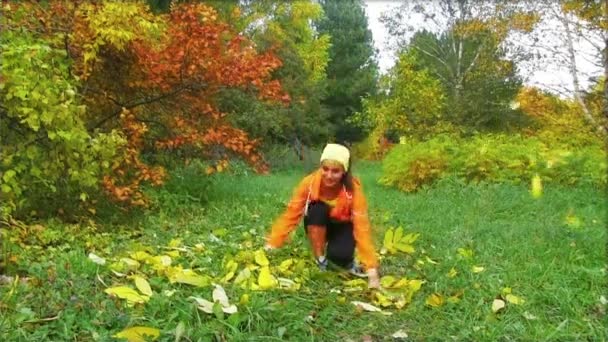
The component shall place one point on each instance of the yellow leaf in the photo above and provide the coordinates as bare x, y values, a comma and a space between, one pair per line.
402, 283
404, 247
285, 265
506, 290
127, 293
189, 277
573, 221
429, 260
452, 273
173, 254
142, 285
231, 266
227, 277
410, 238
537, 186
138, 334
415, 284
401, 302
453, 299
387, 281
497, 305
398, 234
355, 285
513, 299
260, 258
244, 299
140, 256
477, 269
388, 239
435, 300
266, 280
242, 276
383, 300
130, 263
175, 243
161, 261
465, 253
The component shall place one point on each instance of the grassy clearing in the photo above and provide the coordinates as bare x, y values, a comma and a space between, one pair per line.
558, 268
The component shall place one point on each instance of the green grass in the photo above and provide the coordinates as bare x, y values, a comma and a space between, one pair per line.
522, 243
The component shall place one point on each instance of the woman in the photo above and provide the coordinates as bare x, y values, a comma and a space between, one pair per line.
335, 216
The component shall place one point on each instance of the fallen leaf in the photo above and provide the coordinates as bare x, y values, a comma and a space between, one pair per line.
180, 330
203, 304
127, 293
368, 307
138, 334
477, 269
415, 284
399, 334
513, 299
266, 280
242, 276
382, 300
435, 300
497, 305
285, 265
430, 260
465, 253
219, 295
142, 285
130, 263
289, 284
97, 259
175, 243
260, 258
529, 316
452, 273
387, 281
189, 277
140, 256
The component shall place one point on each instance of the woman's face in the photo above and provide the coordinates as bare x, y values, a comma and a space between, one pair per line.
331, 173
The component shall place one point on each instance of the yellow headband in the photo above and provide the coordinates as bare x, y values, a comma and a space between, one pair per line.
338, 153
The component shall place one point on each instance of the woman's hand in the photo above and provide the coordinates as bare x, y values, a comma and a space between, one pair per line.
373, 280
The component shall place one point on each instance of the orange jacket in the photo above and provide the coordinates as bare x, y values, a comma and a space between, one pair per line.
349, 207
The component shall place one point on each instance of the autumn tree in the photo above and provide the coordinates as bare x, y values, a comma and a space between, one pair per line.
463, 47
568, 40
152, 81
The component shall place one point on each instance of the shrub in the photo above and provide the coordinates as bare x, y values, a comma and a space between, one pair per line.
491, 158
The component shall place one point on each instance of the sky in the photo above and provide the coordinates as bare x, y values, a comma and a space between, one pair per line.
552, 77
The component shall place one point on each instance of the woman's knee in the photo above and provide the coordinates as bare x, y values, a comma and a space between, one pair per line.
341, 254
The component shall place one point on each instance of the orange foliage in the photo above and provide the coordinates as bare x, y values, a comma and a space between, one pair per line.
170, 74
130, 171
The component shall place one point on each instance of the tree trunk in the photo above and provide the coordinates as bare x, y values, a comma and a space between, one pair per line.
574, 71
605, 107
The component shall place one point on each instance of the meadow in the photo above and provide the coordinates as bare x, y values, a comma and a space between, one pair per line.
477, 243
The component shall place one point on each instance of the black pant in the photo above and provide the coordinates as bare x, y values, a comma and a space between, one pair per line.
340, 238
